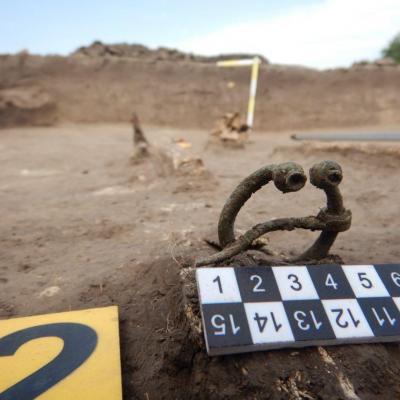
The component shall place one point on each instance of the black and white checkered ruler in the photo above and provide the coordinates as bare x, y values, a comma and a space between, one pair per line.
258, 308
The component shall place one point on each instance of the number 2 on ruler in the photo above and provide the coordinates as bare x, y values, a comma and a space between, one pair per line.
257, 288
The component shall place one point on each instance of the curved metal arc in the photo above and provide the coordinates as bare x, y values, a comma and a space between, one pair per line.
245, 241
327, 176
288, 177
334, 218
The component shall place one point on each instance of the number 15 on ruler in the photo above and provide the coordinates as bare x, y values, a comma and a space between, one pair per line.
219, 323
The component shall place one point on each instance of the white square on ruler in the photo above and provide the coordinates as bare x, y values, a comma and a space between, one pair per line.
397, 301
294, 283
218, 285
347, 318
365, 281
268, 322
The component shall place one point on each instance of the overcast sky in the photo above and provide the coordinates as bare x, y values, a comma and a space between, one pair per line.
315, 33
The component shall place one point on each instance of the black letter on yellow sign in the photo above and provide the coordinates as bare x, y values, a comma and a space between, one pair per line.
79, 343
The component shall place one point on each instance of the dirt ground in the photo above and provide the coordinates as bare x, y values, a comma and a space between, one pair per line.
80, 219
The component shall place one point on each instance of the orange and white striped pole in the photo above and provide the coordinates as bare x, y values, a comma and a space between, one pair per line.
255, 64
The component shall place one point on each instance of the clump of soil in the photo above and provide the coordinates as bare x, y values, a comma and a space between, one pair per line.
166, 160
379, 63
26, 105
164, 358
230, 131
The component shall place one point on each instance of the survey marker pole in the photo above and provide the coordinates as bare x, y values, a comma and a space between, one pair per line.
255, 64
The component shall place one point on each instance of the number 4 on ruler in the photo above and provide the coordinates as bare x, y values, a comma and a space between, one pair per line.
330, 282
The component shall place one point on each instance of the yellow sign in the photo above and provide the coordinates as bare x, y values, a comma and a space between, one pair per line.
70, 355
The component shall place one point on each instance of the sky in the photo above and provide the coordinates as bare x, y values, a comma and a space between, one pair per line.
315, 33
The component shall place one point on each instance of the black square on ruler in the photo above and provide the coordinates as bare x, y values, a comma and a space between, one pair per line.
390, 275
330, 282
382, 315
226, 325
308, 320
257, 284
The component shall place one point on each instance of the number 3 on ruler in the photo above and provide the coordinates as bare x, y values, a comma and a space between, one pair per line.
79, 343
296, 285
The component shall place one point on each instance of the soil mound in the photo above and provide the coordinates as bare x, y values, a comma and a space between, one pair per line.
381, 62
162, 360
103, 83
26, 105
99, 49
366, 153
